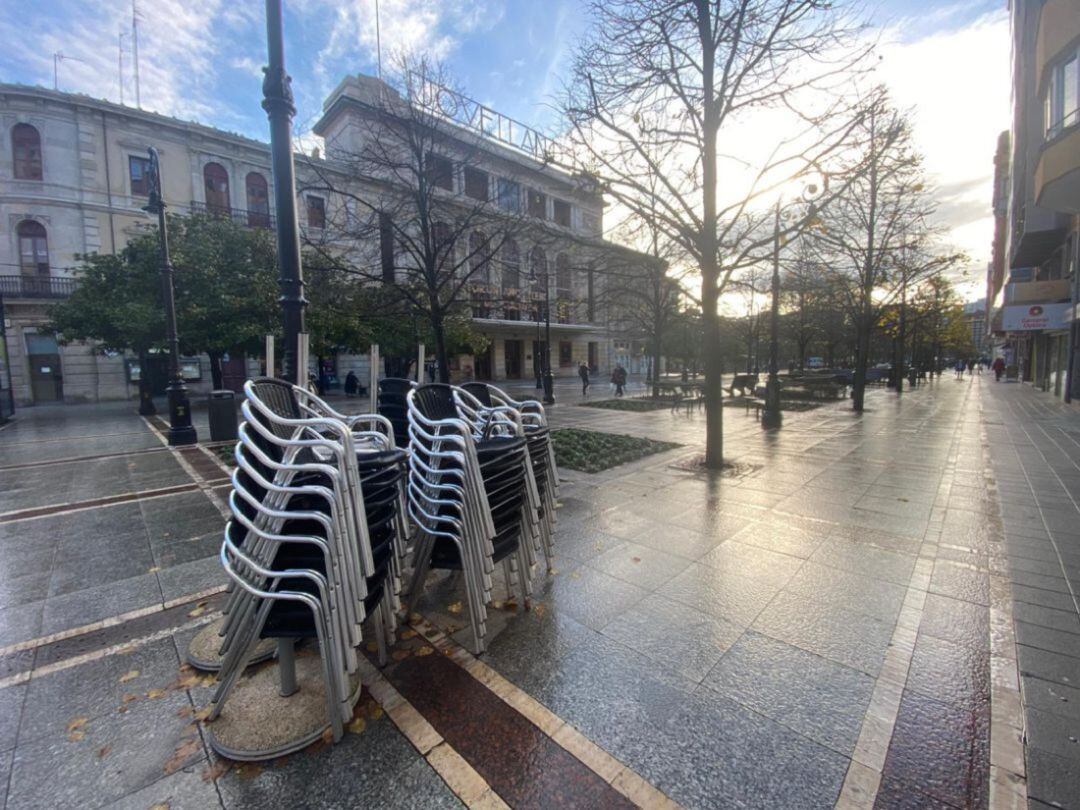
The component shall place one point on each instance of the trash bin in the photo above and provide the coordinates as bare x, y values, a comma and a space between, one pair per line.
222, 410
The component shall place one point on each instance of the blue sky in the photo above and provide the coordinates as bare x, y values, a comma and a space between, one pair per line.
201, 60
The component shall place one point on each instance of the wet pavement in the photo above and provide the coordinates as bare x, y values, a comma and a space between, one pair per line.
846, 618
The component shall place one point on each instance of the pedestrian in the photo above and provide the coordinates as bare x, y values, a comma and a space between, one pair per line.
999, 368
583, 372
959, 369
352, 384
618, 378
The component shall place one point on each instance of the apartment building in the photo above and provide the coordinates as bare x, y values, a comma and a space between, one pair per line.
73, 181
1035, 309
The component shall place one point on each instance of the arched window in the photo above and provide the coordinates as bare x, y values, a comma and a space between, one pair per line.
480, 257
33, 249
216, 182
26, 152
258, 200
538, 269
511, 269
564, 278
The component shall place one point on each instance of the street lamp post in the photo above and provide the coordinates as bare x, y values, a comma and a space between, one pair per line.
278, 103
181, 431
771, 416
548, 377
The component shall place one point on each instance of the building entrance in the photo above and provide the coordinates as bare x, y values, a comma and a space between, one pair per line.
514, 353
46, 377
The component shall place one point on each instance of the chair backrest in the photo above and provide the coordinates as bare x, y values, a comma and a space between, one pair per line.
436, 401
278, 398
480, 391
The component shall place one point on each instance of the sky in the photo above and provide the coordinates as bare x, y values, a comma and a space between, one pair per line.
201, 60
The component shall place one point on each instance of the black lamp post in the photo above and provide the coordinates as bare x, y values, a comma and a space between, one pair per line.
538, 360
548, 377
771, 416
181, 430
278, 103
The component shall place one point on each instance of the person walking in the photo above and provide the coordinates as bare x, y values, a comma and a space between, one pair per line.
583, 373
999, 368
352, 384
618, 377
959, 369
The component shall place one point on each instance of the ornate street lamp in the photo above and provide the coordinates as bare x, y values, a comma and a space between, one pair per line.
549, 378
278, 103
181, 430
771, 416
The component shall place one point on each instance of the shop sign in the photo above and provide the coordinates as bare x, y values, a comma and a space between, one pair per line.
1035, 317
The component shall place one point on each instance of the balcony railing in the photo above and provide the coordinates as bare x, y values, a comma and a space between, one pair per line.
252, 219
37, 286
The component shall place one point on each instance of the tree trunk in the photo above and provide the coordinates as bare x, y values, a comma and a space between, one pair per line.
440, 345
216, 376
901, 341
862, 355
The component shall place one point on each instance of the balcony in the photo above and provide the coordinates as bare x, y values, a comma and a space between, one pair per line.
1038, 292
1057, 174
37, 287
251, 219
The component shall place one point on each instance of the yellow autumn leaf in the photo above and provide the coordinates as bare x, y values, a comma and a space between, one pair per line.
455, 608
425, 650
400, 655
357, 725
77, 723
130, 675
408, 633
156, 694
76, 736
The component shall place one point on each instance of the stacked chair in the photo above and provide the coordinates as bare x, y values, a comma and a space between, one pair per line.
314, 548
473, 494
392, 406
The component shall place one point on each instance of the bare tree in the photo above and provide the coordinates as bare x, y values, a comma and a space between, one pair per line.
883, 208
655, 85
418, 210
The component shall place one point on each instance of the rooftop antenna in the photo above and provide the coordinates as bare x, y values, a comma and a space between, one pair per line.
378, 39
135, 49
120, 64
57, 58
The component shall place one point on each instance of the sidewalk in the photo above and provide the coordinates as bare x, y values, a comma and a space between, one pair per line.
830, 625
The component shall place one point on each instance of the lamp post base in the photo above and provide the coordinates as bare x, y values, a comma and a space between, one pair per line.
549, 389
181, 431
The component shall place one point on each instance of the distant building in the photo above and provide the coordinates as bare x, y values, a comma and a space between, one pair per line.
975, 315
1037, 314
73, 181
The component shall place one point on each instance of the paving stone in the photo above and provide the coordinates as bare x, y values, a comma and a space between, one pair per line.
11, 705
737, 599
92, 604
639, 565
591, 597
1052, 779
1047, 665
820, 699
955, 620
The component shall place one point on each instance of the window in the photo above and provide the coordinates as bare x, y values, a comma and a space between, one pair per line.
564, 277
590, 293
386, 247
476, 184
258, 200
538, 269
509, 195
216, 184
537, 204
139, 172
442, 245
26, 152
439, 171
33, 249
480, 257
561, 213
511, 269
316, 212
1062, 103
566, 353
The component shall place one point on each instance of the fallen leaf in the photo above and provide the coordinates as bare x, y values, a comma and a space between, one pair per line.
76, 736
553, 571
328, 736
377, 712
539, 609
455, 608
408, 633
635, 559
575, 575
372, 646
199, 611
77, 723
415, 618
510, 605
497, 604
160, 806
248, 770
185, 712
400, 655
130, 675
104, 751
155, 694
184, 752
203, 713
216, 771
129, 698
425, 650
357, 725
